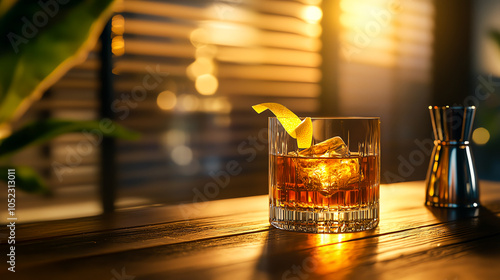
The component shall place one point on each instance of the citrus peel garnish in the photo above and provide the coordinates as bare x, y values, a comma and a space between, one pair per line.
294, 126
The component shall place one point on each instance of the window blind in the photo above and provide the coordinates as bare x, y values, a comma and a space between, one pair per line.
218, 58
185, 76
385, 70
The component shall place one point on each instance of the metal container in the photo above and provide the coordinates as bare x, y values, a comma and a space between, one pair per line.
451, 179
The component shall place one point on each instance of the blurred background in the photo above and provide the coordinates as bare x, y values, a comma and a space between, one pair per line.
185, 73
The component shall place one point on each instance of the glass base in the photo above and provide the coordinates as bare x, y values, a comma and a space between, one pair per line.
321, 221
452, 205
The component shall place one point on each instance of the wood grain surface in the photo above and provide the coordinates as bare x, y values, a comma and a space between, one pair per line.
232, 239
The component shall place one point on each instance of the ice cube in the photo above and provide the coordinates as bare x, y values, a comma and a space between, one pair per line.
328, 175
333, 147
328, 167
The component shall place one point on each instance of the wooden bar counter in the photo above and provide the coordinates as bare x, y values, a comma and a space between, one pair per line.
232, 239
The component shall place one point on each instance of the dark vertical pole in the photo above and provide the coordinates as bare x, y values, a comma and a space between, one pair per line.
452, 62
108, 176
330, 58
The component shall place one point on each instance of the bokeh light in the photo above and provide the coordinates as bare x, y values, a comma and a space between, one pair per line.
182, 155
118, 28
118, 24
206, 84
188, 102
199, 37
175, 137
166, 100
216, 105
481, 136
311, 14
200, 66
118, 45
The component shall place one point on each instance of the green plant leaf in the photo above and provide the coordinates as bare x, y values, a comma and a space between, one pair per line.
495, 35
41, 131
39, 43
26, 179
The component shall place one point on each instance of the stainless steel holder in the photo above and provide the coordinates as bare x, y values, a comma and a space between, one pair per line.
451, 179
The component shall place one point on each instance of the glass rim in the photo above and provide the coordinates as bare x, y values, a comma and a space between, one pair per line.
332, 118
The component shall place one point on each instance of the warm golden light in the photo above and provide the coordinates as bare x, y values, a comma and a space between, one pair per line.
200, 66
367, 34
166, 100
216, 105
363, 6
311, 14
118, 24
228, 10
331, 253
202, 70
5, 131
325, 239
199, 37
206, 84
118, 45
313, 30
207, 51
229, 34
481, 136
313, 2
188, 102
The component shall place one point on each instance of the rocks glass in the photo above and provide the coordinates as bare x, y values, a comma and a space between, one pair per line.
331, 187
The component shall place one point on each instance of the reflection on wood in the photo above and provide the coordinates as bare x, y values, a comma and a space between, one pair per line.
233, 239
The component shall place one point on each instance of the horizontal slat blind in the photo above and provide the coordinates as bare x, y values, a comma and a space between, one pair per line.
256, 51
385, 69
186, 75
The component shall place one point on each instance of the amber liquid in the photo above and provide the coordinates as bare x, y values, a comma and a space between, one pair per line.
293, 189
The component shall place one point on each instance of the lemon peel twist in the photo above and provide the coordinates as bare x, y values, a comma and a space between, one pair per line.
294, 126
